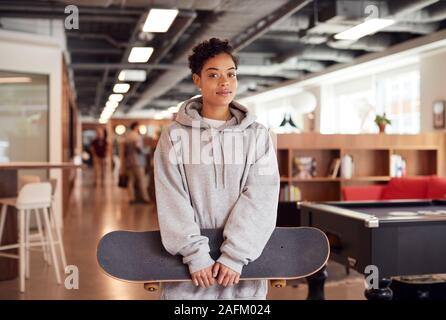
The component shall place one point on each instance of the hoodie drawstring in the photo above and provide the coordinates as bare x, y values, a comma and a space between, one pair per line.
220, 137
213, 160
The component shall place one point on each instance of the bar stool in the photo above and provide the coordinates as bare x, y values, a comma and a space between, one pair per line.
22, 181
32, 197
40, 235
25, 179
56, 224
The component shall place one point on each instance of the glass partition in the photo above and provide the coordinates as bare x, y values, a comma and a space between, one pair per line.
24, 110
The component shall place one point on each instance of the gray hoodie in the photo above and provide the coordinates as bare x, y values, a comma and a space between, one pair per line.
216, 178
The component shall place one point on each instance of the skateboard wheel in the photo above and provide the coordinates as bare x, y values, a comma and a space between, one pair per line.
278, 283
152, 287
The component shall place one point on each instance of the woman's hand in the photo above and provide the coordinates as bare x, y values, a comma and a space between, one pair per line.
226, 276
203, 277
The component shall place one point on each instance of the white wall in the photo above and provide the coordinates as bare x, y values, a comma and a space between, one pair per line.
314, 125
270, 108
433, 85
21, 52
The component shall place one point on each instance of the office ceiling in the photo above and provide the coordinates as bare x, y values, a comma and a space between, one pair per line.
275, 40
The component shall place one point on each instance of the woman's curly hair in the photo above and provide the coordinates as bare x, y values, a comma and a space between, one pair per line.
208, 49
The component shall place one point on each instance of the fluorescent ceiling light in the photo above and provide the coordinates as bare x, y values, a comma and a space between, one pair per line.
105, 116
132, 75
369, 26
173, 109
116, 97
121, 88
140, 54
111, 104
159, 20
108, 110
15, 80
163, 115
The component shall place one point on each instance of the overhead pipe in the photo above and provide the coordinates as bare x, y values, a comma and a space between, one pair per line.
433, 13
399, 8
373, 43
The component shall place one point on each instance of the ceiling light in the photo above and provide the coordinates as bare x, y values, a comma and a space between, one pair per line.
140, 54
369, 26
159, 20
106, 113
121, 88
142, 130
132, 75
163, 115
116, 97
120, 129
173, 109
15, 80
111, 104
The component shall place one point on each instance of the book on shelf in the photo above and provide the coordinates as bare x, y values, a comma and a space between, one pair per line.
397, 166
333, 169
304, 167
290, 193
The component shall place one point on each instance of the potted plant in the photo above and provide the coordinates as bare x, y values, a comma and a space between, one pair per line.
382, 121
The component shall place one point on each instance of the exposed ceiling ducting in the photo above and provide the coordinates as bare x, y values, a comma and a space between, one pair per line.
294, 23
434, 13
377, 42
400, 8
317, 52
206, 5
275, 40
241, 18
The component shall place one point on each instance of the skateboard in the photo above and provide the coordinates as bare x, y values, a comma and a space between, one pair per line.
139, 257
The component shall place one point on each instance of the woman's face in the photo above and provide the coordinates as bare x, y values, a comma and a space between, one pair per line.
218, 80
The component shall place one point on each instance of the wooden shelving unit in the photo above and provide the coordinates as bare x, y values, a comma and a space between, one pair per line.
371, 154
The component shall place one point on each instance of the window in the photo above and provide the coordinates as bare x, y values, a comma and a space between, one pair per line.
273, 113
398, 95
350, 107
23, 117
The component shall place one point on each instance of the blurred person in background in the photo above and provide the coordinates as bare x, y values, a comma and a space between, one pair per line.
98, 149
133, 164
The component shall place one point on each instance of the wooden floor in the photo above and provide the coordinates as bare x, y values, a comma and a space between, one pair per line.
96, 210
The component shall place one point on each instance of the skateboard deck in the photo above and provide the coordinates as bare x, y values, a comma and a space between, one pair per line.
139, 257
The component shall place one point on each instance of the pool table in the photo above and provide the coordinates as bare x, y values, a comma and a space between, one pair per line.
400, 238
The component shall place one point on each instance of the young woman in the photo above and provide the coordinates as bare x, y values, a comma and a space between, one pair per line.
215, 167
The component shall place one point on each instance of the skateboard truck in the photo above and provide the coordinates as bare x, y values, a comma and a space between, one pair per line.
278, 283
151, 286
154, 286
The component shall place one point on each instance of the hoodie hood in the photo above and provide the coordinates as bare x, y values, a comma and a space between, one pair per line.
189, 116
190, 111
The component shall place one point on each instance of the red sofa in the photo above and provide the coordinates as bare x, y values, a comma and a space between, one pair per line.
423, 187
